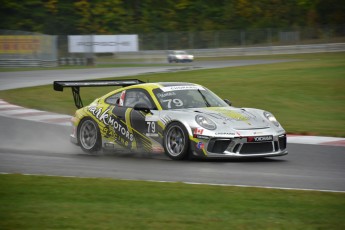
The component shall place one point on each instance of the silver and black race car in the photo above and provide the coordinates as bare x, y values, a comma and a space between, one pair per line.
180, 119
179, 56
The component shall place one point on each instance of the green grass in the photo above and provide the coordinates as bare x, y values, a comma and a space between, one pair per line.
307, 96
40, 202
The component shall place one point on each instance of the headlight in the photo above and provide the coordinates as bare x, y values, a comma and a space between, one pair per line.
205, 122
271, 118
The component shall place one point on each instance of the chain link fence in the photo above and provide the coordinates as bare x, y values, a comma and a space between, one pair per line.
242, 38
154, 46
18, 48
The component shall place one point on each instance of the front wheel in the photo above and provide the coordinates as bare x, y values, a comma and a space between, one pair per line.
89, 136
176, 141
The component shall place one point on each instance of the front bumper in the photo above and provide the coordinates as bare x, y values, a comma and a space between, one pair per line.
240, 147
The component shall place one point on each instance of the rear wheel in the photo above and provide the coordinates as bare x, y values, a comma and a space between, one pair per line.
89, 136
176, 141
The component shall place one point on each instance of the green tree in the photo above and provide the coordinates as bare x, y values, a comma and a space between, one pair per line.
149, 16
100, 17
22, 15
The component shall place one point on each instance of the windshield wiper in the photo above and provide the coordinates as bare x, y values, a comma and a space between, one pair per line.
204, 98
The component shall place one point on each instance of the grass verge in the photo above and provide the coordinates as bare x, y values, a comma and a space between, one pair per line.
307, 96
41, 202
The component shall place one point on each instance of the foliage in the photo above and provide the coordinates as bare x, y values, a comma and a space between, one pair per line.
144, 16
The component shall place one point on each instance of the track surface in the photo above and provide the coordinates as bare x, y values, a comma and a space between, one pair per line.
13, 80
39, 148
30, 147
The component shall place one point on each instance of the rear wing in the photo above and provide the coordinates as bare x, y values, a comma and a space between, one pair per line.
75, 85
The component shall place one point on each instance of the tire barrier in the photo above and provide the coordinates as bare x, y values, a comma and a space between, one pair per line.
69, 61
27, 63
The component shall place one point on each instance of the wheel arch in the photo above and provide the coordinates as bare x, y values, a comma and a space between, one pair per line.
185, 124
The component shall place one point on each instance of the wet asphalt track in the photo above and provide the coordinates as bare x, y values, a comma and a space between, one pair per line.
12, 80
36, 148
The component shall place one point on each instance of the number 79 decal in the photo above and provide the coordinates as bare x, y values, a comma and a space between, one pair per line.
151, 129
176, 102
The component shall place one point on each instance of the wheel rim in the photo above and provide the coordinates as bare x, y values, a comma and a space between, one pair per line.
175, 141
88, 135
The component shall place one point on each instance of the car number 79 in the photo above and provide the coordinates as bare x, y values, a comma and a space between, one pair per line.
177, 102
151, 127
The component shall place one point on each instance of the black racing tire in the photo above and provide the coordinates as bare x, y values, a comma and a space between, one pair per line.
89, 136
176, 141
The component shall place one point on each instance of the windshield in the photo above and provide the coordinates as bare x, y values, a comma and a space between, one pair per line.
182, 97
180, 52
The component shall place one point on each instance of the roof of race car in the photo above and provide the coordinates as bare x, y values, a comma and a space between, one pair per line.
155, 85
174, 83
151, 86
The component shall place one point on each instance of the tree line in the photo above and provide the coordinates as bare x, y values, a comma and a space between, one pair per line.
60, 17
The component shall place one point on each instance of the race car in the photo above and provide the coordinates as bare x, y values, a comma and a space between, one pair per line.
183, 120
179, 56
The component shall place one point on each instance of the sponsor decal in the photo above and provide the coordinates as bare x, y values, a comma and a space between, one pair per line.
110, 120
181, 87
260, 139
152, 130
167, 94
232, 115
225, 133
200, 145
151, 134
23, 44
201, 137
198, 131
103, 43
258, 133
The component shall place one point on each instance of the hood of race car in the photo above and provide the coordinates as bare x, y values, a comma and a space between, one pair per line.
236, 118
183, 56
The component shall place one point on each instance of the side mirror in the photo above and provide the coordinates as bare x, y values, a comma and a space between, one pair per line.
142, 107
228, 102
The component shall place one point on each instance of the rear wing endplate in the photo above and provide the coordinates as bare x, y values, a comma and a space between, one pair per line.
75, 85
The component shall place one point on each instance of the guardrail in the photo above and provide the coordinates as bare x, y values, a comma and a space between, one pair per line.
27, 63
240, 51
154, 55
268, 50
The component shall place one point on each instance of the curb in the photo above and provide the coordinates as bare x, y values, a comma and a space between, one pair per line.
15, 111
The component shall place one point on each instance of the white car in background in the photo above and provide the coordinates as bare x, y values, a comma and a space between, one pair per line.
179, 56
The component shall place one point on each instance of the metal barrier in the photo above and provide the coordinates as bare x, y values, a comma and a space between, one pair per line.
67, 61
20, 48
223, 52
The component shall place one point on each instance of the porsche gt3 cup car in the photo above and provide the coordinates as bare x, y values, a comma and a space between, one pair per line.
180, 119
179, 56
